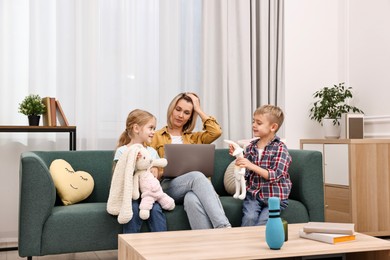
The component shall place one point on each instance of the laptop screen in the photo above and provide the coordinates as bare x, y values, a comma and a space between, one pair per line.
183, 158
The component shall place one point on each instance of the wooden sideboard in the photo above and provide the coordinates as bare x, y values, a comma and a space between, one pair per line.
356, 182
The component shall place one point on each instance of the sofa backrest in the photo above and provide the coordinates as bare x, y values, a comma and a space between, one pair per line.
222, 161
307, 181
97, 163
305, 171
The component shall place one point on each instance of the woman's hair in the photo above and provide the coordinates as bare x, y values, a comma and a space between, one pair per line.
190, 125
137, 116
274, 113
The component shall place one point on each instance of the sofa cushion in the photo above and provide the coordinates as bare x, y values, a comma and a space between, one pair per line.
296, 212
229, 179
176, 220
233, 209
78, 228
72, 186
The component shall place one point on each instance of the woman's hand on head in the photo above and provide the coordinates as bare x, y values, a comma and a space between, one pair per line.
195, 101
197, 108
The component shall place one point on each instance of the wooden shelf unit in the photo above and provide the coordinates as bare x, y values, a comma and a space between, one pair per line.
43, 129
356, 182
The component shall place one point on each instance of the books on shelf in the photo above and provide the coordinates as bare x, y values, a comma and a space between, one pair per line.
53, 119
53, 111
61, 115
329, 227
47, 115
327, 237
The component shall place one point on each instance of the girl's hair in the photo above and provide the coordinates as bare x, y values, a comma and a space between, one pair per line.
137, 116
275, 114
190, 125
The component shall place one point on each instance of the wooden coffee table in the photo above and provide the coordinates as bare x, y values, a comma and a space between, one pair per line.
242, 243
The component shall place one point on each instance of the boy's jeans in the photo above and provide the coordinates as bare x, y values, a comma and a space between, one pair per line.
255, 211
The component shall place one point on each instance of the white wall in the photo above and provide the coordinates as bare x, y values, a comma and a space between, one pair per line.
369, 52
314, 59
334, 41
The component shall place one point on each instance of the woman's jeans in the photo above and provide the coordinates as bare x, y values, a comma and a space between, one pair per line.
255, 211
201, 202
156, 222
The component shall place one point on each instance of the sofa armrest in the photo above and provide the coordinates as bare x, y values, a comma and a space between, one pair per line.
36, 201
307, 179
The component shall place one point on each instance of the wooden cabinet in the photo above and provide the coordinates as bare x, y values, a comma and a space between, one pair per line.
356, 182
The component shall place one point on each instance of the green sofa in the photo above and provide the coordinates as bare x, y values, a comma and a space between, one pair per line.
47, 227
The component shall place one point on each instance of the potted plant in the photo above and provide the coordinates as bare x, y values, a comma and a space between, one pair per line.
32, 106
330, 105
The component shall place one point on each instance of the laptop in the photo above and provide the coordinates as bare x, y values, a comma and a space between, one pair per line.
183, 158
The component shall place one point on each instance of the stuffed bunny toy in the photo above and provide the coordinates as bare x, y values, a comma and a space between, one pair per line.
121, 190
238, 172
149, 186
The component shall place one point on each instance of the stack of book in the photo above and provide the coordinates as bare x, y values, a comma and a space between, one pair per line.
328, 232
53, 112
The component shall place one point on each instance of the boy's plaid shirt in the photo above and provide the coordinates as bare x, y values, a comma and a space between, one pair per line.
276, 160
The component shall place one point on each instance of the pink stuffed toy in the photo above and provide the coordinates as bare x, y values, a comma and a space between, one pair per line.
149, 185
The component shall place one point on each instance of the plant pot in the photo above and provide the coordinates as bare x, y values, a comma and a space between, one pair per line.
33, 120
331, 131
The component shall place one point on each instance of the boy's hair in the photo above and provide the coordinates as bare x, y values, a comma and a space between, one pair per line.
190, 125
275, 114
137, 116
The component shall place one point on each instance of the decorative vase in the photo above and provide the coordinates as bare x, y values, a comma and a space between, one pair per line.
331, 131
274, 229
33, 120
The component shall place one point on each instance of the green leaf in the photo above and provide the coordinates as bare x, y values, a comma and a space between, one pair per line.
331, 103
32, 105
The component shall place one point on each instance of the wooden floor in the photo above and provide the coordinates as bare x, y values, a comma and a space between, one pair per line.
101, 255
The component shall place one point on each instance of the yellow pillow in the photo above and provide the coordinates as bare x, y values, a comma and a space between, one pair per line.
72, 186
228, 179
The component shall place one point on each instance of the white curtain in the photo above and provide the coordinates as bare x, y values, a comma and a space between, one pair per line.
101, 59
227, 66
242, 61
267, 21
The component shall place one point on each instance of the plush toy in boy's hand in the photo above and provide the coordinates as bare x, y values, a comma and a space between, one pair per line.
238, 172
149, 185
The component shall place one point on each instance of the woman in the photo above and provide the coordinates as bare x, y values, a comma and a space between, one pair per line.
193, 189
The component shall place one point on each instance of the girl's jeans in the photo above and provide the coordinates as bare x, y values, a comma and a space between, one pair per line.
156, 222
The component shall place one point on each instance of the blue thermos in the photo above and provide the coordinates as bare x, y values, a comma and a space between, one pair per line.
274, 230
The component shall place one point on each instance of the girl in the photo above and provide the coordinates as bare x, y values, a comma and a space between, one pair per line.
140, 126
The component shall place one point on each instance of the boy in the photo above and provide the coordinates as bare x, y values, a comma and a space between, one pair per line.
266, 160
